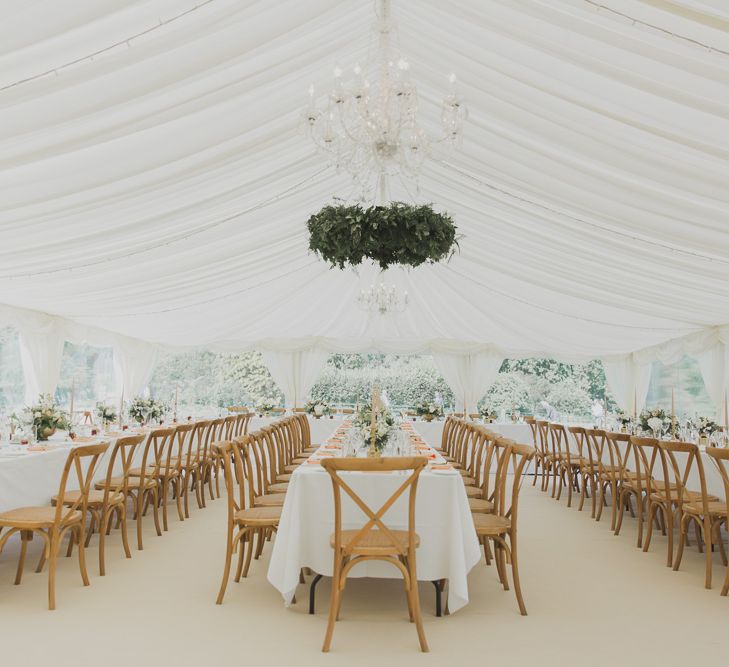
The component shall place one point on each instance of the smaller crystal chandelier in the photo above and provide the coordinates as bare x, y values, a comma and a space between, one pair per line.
382, 299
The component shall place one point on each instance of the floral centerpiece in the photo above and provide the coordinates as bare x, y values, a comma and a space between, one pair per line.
429, 410
706, 427
317, 408
146, 410
46, 417
363, 422
265, 406
487, 414
656, 422
106, 414
624, 420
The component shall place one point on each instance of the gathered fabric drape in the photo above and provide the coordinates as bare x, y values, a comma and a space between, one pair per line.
295, 372
628, 381
41, 351
134, 362
469, 375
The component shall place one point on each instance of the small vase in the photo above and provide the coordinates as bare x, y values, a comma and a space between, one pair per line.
704, 440
45, 433
623, 429
428, 418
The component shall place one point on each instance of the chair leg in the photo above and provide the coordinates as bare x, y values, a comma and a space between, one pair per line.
333, 603
155, 498
24, 538
515, 576
178, 499
621, 511
417, 613
52, 558
226, 568
725, 586
249, 553
105, 519
186, 494
652, 510
682, 530
125, 537
708, 541
139, 503
82, 555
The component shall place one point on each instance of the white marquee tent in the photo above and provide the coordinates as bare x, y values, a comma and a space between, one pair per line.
155, 182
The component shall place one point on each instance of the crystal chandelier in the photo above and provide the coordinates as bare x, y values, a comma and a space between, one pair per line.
382, 299
368, 125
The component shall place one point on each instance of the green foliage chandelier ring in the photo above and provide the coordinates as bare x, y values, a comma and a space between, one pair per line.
394, 234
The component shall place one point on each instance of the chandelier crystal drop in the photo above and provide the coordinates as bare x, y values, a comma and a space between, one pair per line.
382, 299
368, 124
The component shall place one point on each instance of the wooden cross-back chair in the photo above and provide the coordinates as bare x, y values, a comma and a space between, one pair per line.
166, 469
242, 420
485, 450
244, 520
375, 540
548, 462
445, 435
143, 487
259, 480
669, 495
539, 456
272, 436
501, 524
720, 458
608, 472
53, 523
209, 461
567, 463
191, 463
588, 467
102, 505
705, 511
229, 426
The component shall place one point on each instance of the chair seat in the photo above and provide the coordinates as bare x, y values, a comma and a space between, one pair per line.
164, 471
278, 487
283, 478
693, 497
490, 524
310, 450
715, 508
480, 506
300, 459
36, 517
258, 516
474, 491
96, 498
132, 483
376, 542
270, 500
469, 481
290, 468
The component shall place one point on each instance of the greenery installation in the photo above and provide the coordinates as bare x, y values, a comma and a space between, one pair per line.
394, 234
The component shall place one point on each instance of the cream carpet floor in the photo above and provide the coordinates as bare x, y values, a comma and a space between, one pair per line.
592, 598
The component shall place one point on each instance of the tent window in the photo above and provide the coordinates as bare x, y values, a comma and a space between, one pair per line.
684, 378
90, 371
12, 383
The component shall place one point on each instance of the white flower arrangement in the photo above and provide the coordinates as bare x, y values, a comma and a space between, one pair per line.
146, 410
106, 414
45, 417
317, 408
429, 409
265, 406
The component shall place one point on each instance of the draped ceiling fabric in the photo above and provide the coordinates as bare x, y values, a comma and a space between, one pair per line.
160, 189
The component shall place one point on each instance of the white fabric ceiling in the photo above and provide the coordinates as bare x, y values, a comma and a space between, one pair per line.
160, 190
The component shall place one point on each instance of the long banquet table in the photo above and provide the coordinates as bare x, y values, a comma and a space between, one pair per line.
448, 549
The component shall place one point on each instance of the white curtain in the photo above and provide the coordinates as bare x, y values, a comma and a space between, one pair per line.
714, 366
295, 371
41, 351
469, 375
628, 381
134, 362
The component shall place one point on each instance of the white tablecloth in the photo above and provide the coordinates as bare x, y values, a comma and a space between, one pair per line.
432, 431
321, 428
448, 544
33, 479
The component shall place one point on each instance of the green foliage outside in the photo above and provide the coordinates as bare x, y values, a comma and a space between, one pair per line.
406, 379
205, 379
12, 383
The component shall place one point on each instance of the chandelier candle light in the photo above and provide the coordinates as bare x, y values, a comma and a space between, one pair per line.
369, 124
382, 299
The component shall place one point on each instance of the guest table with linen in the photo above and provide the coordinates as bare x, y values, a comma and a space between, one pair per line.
448, 544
